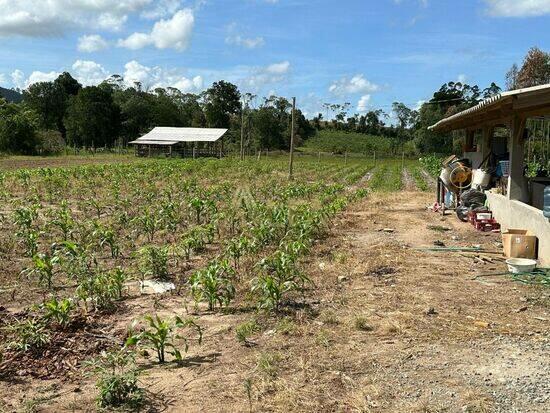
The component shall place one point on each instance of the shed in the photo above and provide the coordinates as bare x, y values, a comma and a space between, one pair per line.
184, 142
515, 206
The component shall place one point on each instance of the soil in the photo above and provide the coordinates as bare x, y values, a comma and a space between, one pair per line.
386, 328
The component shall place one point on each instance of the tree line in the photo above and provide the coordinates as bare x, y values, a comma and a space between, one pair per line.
409, 129
63, 112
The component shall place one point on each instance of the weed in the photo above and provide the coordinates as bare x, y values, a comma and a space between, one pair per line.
117, 380
362, 323
30, 334
245, 330
268, 364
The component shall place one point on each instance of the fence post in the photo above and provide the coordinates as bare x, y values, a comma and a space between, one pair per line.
194, 152
374, 158
346, 158
319, 157
403, 161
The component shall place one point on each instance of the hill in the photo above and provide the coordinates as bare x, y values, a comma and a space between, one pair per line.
352, 142
11, 95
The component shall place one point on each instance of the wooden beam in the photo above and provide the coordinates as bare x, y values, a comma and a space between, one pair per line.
516, 178
486, 138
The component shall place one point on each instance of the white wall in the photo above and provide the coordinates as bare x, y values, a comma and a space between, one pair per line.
517, 215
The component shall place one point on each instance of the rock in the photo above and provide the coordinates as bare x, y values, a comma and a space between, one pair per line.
342, 278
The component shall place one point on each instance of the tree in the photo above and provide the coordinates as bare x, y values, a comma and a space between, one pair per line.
92, 118
512, 77
50, 100
18, 126
535, 70
221, 101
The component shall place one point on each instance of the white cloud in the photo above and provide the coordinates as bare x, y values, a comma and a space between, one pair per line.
518, 8
249, 43
89, 73
2, 79
38, 76
462, 78
265, 75
54, 17
357, 84
162, 8
135, 41
18, 79
154, 77
91, 43
363, 104
174, 33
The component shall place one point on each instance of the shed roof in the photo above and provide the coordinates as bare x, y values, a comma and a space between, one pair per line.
497, 108
176, 135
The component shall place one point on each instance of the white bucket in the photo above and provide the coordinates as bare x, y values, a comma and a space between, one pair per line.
519, 265
481, 179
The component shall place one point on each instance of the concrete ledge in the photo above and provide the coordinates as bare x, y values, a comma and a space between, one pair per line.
517, 215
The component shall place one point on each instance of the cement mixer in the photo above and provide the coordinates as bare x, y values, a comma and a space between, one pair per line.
455, 177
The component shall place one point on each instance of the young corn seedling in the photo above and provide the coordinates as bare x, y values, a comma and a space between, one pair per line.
58, 311
29, 335
214, 284
43, 266
160, 335
153, 262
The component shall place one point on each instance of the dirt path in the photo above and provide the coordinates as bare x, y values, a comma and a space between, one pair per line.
386, 329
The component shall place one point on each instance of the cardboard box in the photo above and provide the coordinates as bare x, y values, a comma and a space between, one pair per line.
519, 243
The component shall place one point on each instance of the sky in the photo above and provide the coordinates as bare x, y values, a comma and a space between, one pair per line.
369, 53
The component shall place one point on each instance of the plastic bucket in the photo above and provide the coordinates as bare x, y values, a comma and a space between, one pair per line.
481, 178
520, 265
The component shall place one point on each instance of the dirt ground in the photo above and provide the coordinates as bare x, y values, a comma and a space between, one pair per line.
386, 328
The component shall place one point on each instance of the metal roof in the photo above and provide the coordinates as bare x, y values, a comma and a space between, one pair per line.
176, 135
488, 103
151, 142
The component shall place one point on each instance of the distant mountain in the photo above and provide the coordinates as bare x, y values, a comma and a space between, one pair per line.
11, 95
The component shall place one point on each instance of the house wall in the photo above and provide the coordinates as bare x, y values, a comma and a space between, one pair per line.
517, 215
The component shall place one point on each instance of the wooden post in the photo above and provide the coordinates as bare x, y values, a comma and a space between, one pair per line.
374, 157
319, 157
149, 151
259, 154
346, 157
194, 152
242, 129
291, 161
516, 178
170, 150
486, 138
403, 161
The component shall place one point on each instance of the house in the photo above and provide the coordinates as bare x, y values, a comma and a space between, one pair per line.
518, 203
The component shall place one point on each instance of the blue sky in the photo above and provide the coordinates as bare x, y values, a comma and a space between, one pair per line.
369, 53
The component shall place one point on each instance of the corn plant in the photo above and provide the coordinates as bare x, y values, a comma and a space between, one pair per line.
160, 335
117, 380
107, 237
153, 262
43, 266
58, 311
62, 219
236, 248
278, 275
214, 284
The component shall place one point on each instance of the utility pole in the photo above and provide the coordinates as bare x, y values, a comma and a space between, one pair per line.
242, 128
291, 162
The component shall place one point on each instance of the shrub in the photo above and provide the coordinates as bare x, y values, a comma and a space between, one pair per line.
49, 142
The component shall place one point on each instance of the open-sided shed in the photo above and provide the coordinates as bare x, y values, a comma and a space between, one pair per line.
185, 142
508, 111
